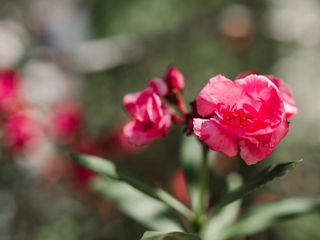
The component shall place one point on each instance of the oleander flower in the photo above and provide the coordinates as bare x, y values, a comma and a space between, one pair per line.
248, 112
151, 118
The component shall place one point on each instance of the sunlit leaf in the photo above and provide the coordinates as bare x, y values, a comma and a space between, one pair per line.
146, 210
106, 168
265, 215
257, 181
169, 236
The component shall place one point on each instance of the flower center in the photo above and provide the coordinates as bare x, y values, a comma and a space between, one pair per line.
236, 117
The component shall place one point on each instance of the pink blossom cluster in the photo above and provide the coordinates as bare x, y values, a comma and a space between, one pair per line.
248, 115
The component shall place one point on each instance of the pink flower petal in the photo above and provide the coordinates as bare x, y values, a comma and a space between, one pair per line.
266, 100
129, 101
245, 74
255, 149
210, 132
135, 134
218, 90
139, 133
286, 94
159, 86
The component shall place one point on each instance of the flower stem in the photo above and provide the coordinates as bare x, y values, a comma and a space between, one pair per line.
181, 104
203, 189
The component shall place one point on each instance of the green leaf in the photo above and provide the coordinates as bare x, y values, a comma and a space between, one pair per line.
146, 210
226, 216
257, 181
169, 236
108, 169
191, 157
265, 215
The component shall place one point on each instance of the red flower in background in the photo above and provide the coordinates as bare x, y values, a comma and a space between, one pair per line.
9, 85
9, 91
179, 187
67, 119
21, 132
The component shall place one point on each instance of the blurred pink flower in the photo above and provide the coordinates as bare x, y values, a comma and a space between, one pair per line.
21, 132
67, 119
174, 79
290, 106
151, 119
248, 111
9, 90
8, 84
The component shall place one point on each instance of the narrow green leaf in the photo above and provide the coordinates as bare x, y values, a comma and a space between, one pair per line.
191, 154
146, 210
265, 215
259, 180
226, 216
107, 168
169, 236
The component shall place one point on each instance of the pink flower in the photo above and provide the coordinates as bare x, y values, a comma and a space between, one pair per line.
67, 119
248, 112
174, 79
21, 132
285, 93
151, 119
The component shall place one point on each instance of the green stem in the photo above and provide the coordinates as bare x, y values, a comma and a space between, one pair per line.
203, 187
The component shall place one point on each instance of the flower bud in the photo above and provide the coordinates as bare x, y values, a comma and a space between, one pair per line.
174, 79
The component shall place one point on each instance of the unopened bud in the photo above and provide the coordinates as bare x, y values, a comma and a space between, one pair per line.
174, 79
